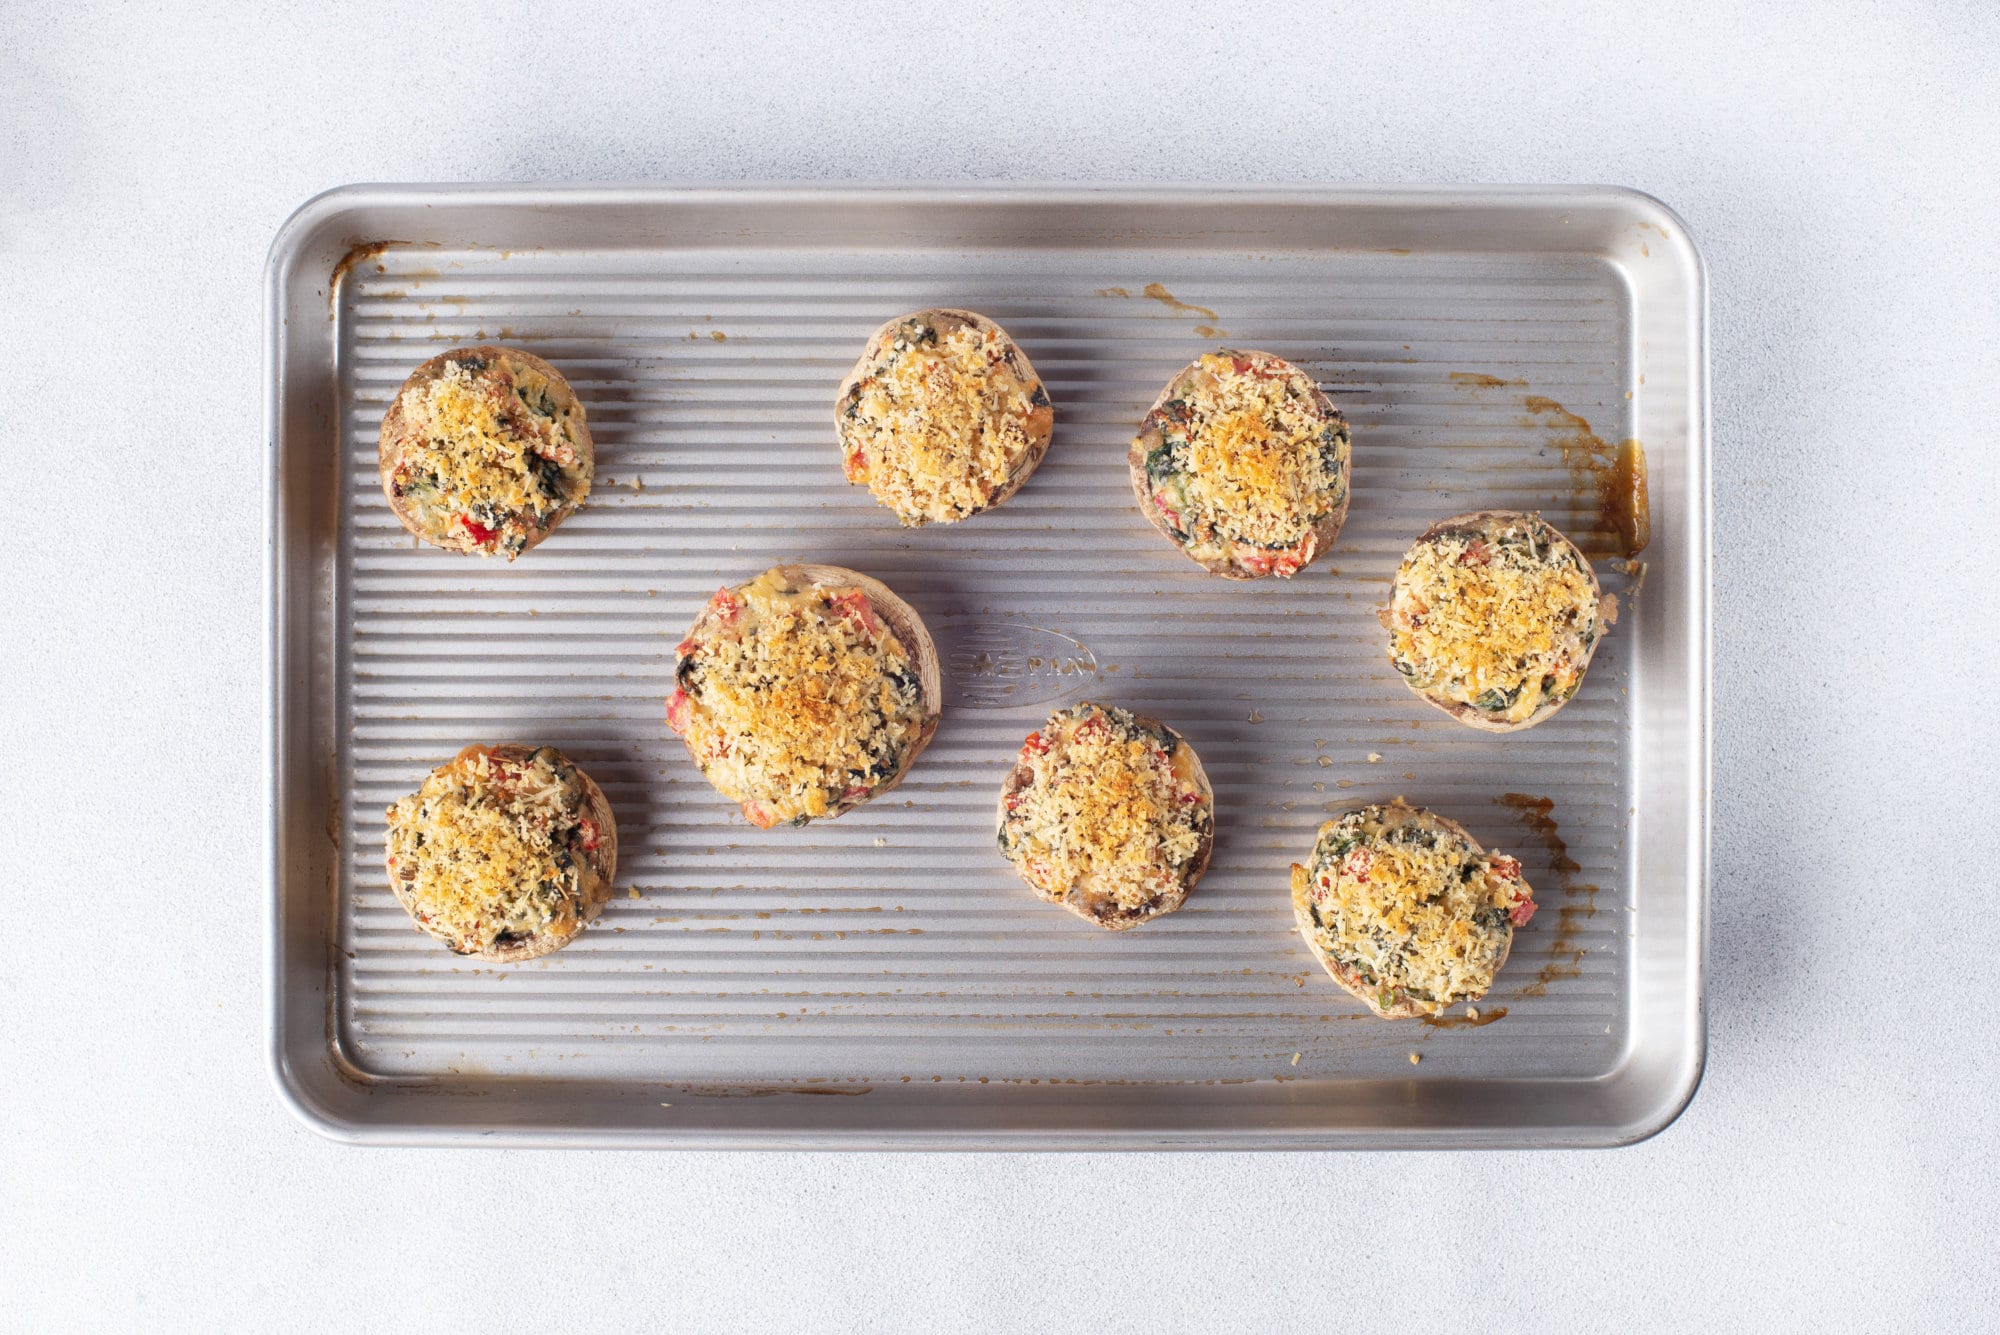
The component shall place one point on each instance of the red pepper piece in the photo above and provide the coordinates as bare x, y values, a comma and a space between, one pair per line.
855, 604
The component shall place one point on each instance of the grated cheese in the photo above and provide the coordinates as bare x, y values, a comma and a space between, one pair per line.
491, 454
1248, 461
1499, 615
795, 699
1408, 906
1112, 815
942, 419
487, 852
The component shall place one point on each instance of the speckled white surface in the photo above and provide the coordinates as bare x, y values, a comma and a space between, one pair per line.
1838, 1168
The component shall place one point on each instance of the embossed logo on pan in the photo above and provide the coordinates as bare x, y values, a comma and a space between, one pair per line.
1013, 664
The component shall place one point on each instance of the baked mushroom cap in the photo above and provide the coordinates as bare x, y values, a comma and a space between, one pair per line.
505, 853
1494, 617
1406, 911
1109, 814
806, 692
1243, 464
943, 417
485, 450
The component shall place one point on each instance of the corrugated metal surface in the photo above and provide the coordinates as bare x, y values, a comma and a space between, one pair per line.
895, 945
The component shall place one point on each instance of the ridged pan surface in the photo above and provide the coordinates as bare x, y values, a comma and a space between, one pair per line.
894, 948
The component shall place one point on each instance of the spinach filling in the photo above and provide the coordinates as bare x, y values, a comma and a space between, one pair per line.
549, 476
1166, 459
540, 405
1166, 466
1333, 443
1410, 836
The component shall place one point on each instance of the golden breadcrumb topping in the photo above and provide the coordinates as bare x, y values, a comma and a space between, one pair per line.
1248, 463
491, 454
942, 420
1408, 906
795, 698
1499, 614
1113, 812
490, 852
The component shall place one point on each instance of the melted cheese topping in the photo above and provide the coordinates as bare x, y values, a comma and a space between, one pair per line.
942, 421
487, 853
1408, 906
795, 699
1112, 815
491, 455
1500, 617
1248, 462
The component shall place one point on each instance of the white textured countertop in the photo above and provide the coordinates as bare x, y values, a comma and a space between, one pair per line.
1838, 1167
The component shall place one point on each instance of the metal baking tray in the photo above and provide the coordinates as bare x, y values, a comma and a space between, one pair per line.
884, 980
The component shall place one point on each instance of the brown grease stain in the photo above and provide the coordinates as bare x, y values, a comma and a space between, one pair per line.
357, 255
1565, 958
1173, 303
1535, 814
1614, 475
1484, 1018
719, 336
1112, 292
1629, 492
1210, 331
1480, 380
766, 1091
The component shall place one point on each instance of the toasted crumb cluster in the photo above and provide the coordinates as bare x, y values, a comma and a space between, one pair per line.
943, 419
1245, 461
1109, 815
795, 699
1408, 908
491, 453
491, 853
1499, 614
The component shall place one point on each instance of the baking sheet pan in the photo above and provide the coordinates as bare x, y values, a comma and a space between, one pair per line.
884, 980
